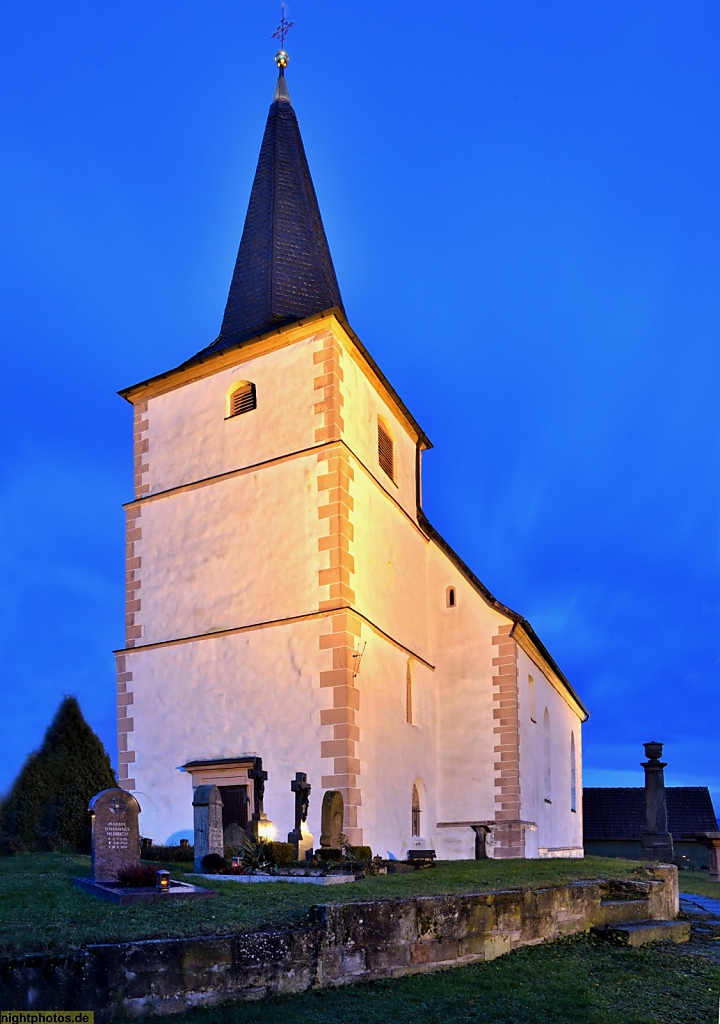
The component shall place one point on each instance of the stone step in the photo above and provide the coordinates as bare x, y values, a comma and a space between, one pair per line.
618, 911
640, 933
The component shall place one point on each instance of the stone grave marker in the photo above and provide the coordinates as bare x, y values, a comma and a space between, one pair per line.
115, 833
331, 820
207, 821
233, 837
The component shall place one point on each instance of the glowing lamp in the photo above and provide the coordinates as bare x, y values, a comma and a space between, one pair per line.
266, 830
163, 881
235, 863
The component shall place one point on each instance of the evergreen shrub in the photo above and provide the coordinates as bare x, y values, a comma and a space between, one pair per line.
46, 808
329, 854
142, 875
178, 854
360, 852
214, 864
281, 855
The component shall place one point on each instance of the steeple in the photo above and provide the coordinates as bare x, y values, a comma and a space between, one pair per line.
284, 271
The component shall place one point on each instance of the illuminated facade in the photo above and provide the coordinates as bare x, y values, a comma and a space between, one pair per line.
288, 599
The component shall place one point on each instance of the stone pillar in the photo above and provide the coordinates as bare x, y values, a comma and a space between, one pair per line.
656, 842
207, 821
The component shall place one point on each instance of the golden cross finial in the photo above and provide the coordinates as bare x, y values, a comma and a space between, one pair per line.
283, 28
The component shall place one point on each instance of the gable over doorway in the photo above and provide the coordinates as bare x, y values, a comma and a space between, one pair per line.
230, 775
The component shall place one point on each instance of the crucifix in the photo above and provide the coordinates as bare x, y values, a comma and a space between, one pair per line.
301, 788
258, 777
283, 28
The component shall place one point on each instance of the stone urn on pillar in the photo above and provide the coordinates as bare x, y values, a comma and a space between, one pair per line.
656, 842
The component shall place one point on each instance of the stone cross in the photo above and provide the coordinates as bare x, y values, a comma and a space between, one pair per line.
115, 833
207, 821
656, 842
301, 788
259, 777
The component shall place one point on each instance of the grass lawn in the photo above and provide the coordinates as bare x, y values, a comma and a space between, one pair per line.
698, 882
574, 981
40, 910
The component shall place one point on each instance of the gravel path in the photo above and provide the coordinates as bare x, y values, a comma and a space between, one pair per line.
704, 915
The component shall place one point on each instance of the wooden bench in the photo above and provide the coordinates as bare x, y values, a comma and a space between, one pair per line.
421, 858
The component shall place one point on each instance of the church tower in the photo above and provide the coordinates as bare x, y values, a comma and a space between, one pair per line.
287, 598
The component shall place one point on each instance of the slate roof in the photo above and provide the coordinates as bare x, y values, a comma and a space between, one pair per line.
619, 812
284, 271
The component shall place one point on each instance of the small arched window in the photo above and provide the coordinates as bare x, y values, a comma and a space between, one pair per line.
573, 774
241, 399
386, 450
408, 695
415, 812
450, 597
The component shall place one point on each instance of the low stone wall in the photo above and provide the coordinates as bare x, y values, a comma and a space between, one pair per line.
339, 945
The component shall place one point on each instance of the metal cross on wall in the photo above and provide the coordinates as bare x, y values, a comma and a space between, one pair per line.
283, 28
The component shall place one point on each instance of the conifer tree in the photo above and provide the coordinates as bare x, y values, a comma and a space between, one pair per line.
46, 808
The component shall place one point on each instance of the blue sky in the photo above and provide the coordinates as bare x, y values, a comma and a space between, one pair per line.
522, 204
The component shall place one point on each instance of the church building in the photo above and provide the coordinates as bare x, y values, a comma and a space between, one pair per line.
288, 599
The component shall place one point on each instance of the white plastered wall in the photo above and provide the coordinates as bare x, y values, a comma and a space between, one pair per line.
393, 752
464, 652
238, 551
253, 692
363, 405
191, 438
390, 580
559, 829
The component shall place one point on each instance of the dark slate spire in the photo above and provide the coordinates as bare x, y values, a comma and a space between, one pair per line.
284, 271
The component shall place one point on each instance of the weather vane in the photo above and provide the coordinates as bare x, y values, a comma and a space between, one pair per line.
283, 28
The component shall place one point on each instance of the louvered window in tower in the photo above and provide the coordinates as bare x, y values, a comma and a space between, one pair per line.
242, 399
386, 454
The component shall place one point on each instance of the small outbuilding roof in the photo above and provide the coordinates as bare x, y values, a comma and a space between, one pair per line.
618, 812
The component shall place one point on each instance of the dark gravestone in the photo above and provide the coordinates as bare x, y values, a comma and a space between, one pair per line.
207, 822
331, 820
302, 789
115, 833
656, 842
234, 837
